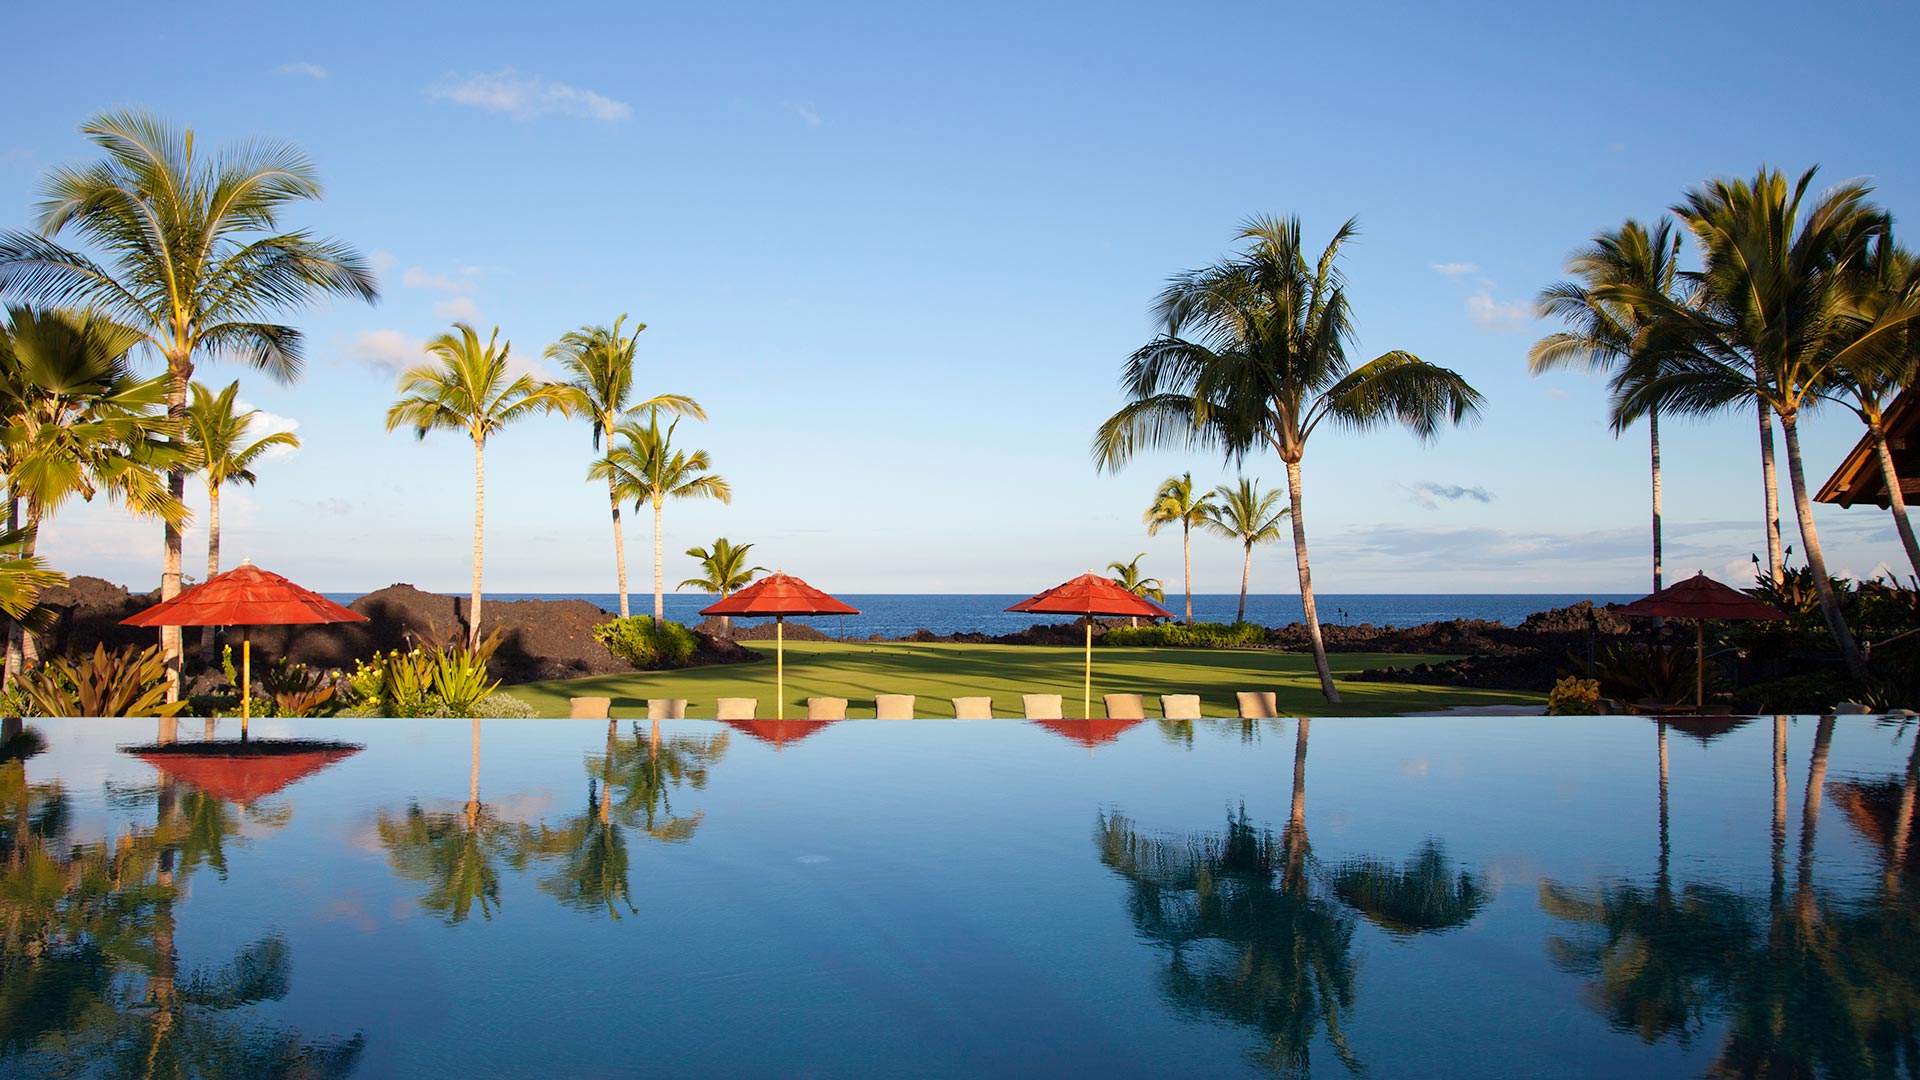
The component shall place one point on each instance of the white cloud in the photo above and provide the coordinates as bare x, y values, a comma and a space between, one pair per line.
1498, 316
525, 97
459, 309
417, 278
805, 112
306, 70
381, 261
1556, 392
1427, 494
389, 350
1455, 269
264, 424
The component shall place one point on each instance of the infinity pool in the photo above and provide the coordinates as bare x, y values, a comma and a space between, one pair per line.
1510, 897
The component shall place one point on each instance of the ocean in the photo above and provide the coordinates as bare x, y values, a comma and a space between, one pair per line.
899, 614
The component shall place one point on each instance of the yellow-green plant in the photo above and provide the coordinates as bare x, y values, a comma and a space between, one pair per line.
460, 674
122, 683
1574, 696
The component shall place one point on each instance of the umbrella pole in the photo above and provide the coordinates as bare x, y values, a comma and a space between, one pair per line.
1086, 691
779, 667
1700, 664
246, 678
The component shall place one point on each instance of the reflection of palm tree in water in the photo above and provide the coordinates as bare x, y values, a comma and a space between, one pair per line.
456, 855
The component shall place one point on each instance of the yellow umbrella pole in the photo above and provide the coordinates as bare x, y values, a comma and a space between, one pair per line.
246, 678
1086, 696
780, 667
1700, 664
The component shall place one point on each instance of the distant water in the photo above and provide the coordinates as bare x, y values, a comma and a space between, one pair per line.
900, 614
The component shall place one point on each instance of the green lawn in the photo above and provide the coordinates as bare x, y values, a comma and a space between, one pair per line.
937, 672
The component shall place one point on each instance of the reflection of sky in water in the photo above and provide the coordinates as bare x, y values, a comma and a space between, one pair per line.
930, 898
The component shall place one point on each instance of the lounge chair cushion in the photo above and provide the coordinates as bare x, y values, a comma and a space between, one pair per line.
1180, 706
735, 708
588, 708
1126, 707
972, 708
1041, 706
666, 708
893, 706
826, 708
1257, 705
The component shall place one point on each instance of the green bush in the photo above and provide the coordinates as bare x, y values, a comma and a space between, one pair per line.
647, 644
1203, 635
1815, 692
129, 682
440, 680
1574, 696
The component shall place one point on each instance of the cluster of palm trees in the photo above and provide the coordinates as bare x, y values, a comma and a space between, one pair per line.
1252, 357
1800, 300
1238, 511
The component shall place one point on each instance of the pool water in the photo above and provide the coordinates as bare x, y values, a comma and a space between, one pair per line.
1502, 897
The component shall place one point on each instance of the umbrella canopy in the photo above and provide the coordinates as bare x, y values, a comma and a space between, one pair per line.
778, 732
242, 772
779, 595
245, 596
1091, 594
1700, 598
1088, 733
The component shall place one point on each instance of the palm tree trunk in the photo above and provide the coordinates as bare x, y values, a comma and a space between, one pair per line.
179, 370
1770, 476
473, 776
1186, 551
1779, 889
479, 532
659, 578
1810, 539
1293, 871
1306, 586
16, 633
1653, 433
1810, 808
213, 562
1897, 500
21, 648
619, 544
1246, 572
1903, 819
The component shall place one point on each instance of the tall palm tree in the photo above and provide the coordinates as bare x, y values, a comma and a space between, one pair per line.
191, 254
467, 388
1865, 387
725, 570
77, 422
1129, 577
1246, 515
1780, 312
646, 467
1254, 356
1604, 335
220, 450
1176, 502
599, 360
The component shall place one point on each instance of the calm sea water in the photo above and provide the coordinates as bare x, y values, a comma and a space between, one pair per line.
1506, 897
900, 614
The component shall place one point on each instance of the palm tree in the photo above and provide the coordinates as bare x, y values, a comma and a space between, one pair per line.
467, 389
191, 255
1604, 335
1129, 577
647, 467
726, 569
1244, 514
1866, 387
1175, 502
219, 450
1780, 313
76, 423
1254, 355
600, 361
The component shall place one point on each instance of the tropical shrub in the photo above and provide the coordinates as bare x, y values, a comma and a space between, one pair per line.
1574, 696
459, 674
1812, 692
1202, 635
297, 690
437, 680
503, 707
127, 682
646, 643
1657, 674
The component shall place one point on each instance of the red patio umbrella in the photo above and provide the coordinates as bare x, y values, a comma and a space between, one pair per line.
779, 595
1090, 595
243, 772
1700, 598
778, 732
1089, 732
245, 596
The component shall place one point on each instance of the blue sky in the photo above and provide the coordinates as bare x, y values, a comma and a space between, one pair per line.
900, 254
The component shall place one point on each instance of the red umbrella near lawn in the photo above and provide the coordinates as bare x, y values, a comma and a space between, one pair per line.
1701, 598
1090, 595
245, 596
778, 732
1089, 732
779, 595
243, 772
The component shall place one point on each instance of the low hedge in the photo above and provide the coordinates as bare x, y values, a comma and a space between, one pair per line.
647, 644
1203, 635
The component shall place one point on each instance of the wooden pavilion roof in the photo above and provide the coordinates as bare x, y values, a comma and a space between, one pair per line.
1859, 480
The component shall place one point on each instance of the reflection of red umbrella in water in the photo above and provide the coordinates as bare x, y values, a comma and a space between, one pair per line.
779, 595
778, 732
243, 772
245, 596
1090, 595
1089, 732
1701, 598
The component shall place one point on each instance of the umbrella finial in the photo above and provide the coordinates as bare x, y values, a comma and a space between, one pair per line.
244, 561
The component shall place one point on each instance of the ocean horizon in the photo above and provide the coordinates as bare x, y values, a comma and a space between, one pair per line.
899, 614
